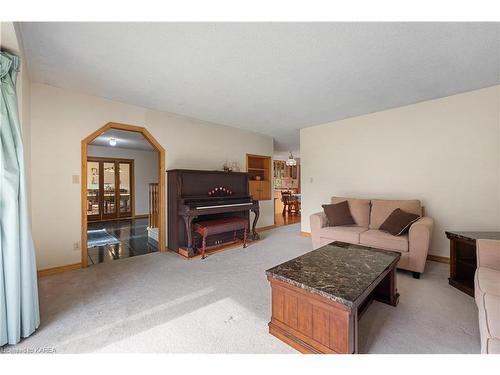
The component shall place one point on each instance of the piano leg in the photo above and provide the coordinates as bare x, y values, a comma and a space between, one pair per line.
203, 247
188, 221
255, 235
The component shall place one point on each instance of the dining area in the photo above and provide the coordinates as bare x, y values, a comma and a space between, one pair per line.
286, 194
286, 207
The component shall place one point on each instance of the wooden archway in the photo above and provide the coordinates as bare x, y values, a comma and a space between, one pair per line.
161, 179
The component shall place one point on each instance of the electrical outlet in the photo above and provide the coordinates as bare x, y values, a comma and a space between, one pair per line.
76, 245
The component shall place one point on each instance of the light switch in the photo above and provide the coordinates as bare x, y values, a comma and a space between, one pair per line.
310, 180
76, 179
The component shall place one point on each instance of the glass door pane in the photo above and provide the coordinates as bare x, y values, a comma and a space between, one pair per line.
125, 189
93, 212
109, 199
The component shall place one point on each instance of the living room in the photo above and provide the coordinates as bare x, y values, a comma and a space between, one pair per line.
314, 187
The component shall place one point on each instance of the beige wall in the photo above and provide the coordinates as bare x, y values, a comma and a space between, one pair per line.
145, 170
444, 152
11, 42
61, 119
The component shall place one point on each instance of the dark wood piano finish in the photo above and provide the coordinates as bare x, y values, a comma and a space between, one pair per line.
189, 201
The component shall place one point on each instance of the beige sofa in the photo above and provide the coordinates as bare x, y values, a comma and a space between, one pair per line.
369, 214
487, 294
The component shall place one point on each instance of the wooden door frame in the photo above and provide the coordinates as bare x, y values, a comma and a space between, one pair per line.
161, 181
117, 179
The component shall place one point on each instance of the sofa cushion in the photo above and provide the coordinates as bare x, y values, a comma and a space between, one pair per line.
349, 234
488, 281
488, 305
493, 346
398, 222
381, 209
382, 240
492, 308
338, 214
360, 209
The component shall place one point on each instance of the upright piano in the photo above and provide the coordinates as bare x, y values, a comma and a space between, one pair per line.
196, 195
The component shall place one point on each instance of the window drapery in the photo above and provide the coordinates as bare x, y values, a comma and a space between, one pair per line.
19, 310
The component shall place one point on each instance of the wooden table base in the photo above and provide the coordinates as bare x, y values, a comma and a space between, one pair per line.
312, 323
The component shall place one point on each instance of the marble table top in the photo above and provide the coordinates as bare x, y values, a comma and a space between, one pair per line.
338, 271
475, 235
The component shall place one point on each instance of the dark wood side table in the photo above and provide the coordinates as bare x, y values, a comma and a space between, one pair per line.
463, 260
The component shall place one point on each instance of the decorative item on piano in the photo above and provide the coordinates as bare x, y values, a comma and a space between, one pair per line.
226, 167
220, 192
233, 167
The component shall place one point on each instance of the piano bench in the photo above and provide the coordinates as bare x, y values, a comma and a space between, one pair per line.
210, 227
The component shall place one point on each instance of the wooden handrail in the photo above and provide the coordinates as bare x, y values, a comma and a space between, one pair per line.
153, 205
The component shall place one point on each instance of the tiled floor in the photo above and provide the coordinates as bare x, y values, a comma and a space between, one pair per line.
133, 236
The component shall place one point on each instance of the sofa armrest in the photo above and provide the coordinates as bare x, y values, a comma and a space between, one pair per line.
419, 239
317, 221
488, 254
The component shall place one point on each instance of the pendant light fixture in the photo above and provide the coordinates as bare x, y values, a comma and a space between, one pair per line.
291, 162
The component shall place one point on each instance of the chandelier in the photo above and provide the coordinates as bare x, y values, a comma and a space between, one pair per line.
291, 162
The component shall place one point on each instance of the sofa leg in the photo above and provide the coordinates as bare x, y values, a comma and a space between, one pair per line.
416, 275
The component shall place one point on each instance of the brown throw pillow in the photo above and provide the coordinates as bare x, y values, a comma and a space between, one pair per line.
338, 214
398, 222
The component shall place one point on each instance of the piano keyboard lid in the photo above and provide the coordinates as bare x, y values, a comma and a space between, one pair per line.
214, 198
224, 205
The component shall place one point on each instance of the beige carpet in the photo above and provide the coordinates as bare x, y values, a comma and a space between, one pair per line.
162, 303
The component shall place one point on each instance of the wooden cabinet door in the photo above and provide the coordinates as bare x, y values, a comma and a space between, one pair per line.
255, 188
265, 190
260, 190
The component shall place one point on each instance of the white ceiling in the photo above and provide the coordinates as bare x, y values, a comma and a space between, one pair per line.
272, 78
124, 139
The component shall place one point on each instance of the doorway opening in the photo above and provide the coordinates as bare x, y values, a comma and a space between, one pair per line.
286, 184
123, 194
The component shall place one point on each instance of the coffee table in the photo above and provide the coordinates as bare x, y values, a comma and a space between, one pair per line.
317, 298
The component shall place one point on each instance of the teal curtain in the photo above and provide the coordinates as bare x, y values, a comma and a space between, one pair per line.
19, 312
